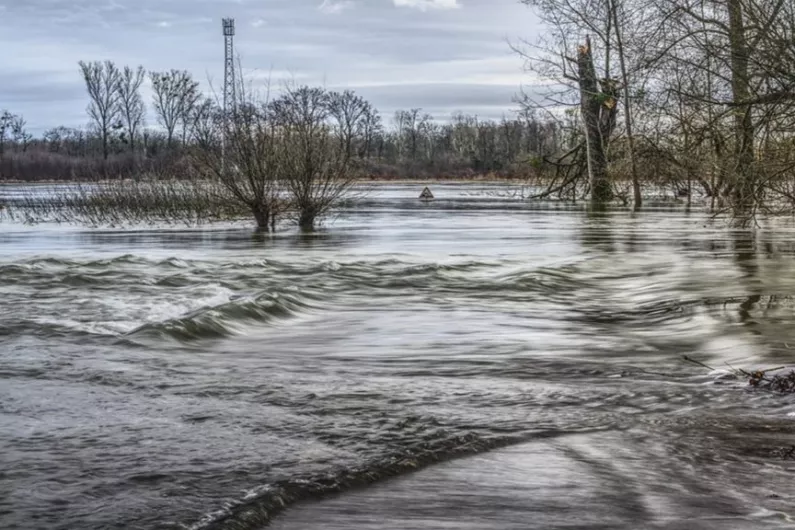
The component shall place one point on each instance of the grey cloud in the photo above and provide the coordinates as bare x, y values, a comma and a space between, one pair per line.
335, 6
40, 87
398, 56
442, 100
424, 5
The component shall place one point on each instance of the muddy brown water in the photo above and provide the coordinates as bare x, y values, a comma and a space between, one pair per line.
173, 378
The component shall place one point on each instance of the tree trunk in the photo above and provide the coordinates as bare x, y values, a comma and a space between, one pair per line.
743, 121
262, 216
637, 199
590, 107
105, 150
306, 221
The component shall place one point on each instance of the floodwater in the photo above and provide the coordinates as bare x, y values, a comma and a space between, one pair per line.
470, 363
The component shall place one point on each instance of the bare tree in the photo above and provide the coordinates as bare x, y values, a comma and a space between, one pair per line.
597, 29
370, 127
616, 9
741, 50
132, 105
349, 111
597, 105
314, 161
174, 92
411, 124
204, 122
20, 134
102, 79
243, 154
6, 122
188, 111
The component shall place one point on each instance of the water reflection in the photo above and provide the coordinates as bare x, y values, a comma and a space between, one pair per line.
596, 231
746, 259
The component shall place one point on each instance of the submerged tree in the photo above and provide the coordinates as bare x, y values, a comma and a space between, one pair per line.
705, 89
242, 153
597, 105
577, 55
744, 50
316, 163
279, 155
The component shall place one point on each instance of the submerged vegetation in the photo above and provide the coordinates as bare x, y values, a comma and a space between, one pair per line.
696, 93
783, 383
291, 156
151, 199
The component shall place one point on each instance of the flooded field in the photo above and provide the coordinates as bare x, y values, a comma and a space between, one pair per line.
174, 378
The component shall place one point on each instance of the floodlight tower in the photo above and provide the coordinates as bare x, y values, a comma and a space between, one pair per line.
229, 66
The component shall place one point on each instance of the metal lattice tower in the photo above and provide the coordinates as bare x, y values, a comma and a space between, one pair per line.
229, 66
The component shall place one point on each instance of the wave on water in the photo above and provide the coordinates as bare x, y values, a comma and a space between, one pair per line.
225, 319
258, 507
187, 300
132, 259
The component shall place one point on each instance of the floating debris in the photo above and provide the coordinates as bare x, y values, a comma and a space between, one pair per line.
782, 383
787, 453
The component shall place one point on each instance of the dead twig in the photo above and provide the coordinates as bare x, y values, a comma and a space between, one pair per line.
782, 383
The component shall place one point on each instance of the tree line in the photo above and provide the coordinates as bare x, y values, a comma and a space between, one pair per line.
120, 140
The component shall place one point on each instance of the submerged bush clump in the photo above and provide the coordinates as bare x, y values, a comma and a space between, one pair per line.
150, 199
784, 384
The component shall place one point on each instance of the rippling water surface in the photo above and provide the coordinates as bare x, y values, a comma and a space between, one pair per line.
202, 378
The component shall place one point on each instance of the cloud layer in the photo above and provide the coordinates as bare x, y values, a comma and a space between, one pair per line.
332, 7
424, 5
439, 55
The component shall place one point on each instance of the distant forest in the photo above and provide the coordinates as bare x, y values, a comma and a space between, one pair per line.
118, 142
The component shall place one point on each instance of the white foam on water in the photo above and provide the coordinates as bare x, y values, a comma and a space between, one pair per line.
124, 314
172, 305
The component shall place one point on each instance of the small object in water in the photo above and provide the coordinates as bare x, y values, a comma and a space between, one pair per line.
426, 194
785, 452
683, 192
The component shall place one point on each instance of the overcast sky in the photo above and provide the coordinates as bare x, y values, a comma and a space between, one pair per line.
440, 55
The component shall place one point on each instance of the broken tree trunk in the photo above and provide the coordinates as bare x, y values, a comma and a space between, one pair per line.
592, 101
